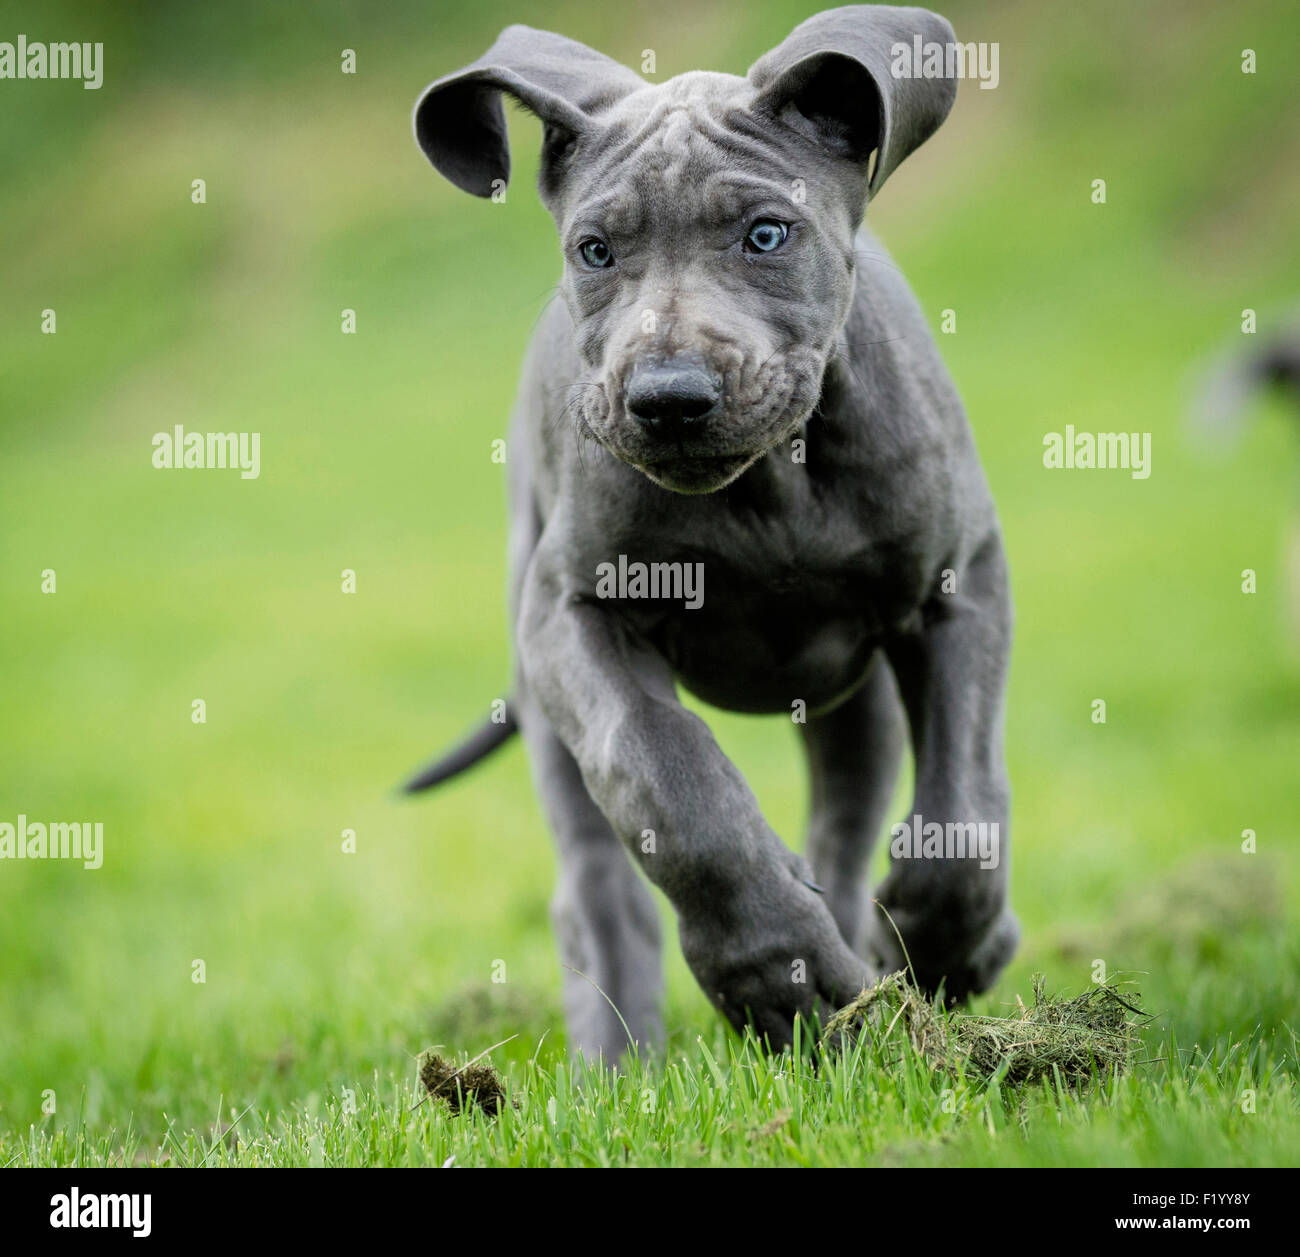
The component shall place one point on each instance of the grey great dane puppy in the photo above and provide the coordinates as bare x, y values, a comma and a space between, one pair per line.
739, 382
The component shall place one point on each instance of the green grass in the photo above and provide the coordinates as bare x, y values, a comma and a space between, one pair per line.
329, 972
720, 1100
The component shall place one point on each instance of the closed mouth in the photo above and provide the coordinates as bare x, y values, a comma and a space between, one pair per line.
696, 474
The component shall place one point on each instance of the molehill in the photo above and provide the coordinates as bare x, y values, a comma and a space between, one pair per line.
1072, 1038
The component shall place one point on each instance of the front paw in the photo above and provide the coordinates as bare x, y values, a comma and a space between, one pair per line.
772, 953
950, 944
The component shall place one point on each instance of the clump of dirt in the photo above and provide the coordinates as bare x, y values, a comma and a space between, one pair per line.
464, 1086
893, 1003
1074, 1039
1086, 1035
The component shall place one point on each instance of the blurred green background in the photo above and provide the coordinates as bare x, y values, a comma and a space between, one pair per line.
223, 840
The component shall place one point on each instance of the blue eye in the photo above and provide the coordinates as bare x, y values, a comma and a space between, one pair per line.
765, 235
596, 254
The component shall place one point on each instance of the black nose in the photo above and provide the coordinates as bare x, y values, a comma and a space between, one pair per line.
673, 396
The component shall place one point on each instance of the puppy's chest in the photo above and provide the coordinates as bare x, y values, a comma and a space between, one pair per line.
771, 615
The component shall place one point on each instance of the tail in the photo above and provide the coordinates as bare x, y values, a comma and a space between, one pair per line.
481, 743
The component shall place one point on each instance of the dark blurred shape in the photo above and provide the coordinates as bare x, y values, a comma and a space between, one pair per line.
1222, 406
1237, 378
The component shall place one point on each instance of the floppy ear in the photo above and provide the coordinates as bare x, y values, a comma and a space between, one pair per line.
833, 79
459, 120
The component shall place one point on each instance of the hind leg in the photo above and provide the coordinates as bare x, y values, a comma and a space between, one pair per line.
854, 753
946, 892
605, 918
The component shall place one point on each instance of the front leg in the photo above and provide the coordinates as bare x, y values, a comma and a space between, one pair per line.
759, 939
947, 889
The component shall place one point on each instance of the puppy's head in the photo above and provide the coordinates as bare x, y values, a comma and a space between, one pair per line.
707, 223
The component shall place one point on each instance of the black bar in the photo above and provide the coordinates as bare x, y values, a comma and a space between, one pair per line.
364, 1205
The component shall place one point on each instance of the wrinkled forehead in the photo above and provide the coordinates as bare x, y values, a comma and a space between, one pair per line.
690, 149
